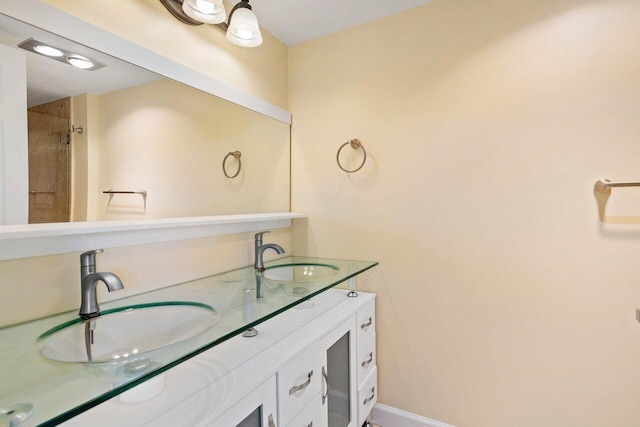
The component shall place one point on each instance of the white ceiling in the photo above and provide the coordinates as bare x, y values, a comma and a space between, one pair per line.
297, 21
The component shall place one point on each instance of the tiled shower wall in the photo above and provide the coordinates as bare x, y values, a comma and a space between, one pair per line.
49, 161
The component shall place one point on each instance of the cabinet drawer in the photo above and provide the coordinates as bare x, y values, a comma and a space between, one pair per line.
367, 396
366, 317
366, 359
309, 416
298, 382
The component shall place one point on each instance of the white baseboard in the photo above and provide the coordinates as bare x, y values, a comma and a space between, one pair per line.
387, 416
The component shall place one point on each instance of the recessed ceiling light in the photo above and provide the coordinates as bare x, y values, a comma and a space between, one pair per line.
61, 55
80, 62
48, 50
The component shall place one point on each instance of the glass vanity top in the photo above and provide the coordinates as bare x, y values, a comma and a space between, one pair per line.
63, 365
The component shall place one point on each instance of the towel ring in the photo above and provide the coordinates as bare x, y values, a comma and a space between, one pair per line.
355, 144
235, 154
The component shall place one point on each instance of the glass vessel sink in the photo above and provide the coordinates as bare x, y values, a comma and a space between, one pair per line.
127, 334
293, 278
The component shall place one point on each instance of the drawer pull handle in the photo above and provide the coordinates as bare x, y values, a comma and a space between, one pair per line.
370, 398
366, 325
310, 424
367, 362
297, 388
325, 377
271, 422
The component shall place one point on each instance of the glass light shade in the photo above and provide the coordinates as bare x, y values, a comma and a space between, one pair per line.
48, 50
80, 62
243, 29
206, 11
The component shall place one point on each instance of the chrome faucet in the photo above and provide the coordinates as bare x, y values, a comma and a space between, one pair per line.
89, 281
259, 263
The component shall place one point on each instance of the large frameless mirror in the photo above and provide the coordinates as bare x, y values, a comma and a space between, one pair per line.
121, 142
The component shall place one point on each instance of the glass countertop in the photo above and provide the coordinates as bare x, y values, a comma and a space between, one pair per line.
66, 383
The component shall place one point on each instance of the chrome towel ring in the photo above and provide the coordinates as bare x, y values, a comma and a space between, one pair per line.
236, 155
355, 144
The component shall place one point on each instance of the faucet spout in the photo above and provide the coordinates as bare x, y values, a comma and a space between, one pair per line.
89, 307
259, 264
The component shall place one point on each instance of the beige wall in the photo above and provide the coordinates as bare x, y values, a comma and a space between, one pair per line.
502, 300
261, 71
36, 287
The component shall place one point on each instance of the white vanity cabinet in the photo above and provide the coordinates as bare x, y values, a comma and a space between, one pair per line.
305, 368
298, 385
348, 376
258, 409
366, 361
339, 376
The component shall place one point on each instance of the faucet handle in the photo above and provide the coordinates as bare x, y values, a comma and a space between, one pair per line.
89, 258
259, 236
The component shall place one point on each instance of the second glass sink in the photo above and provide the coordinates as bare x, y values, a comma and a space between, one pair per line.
127, 334
292, 278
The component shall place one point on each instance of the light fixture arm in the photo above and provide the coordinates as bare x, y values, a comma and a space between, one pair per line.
176, 9
241, 4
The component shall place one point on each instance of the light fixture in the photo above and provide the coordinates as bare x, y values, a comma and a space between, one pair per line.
48, 50
242, 28
61, 55
80, 62
205, 11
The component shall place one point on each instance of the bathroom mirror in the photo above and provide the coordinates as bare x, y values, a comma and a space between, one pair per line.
154, 145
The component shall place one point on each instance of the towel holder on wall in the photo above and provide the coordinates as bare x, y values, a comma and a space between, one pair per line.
605, 186
236, 155
143, 193
111, 192
355, 144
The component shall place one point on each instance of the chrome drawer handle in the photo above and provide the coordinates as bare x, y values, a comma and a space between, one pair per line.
366, 325
366, 362
297, 388
325, 377
271, 423
370, 398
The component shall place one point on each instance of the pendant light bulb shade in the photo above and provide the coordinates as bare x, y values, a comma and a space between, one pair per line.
205, 11
243, 28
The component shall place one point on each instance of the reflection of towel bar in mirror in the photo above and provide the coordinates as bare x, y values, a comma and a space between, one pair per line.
605, 186
35, 193
236, 155
143, 193
355, 144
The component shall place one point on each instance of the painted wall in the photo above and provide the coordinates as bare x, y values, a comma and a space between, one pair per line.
502, 298
261, 71
36, 287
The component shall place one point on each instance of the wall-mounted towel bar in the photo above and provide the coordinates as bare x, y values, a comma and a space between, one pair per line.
605, 186
143, 193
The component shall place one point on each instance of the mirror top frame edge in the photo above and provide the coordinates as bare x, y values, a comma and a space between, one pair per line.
48, 18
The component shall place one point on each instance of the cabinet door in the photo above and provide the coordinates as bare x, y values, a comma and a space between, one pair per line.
339, 386
256, 410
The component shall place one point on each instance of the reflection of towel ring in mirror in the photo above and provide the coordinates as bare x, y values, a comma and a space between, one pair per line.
355, 144
235, 154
